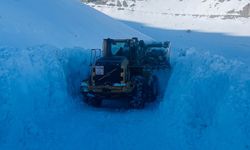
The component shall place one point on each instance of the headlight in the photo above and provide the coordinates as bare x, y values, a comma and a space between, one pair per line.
84, 84
119, 84
84, 87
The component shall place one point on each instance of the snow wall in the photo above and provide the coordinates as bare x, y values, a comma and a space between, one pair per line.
38, 82
208, 101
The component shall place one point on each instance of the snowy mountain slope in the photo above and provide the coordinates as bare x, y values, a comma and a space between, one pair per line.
182, 7
27, 23
230, 17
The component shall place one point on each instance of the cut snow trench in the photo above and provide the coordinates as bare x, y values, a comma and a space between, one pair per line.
41, 83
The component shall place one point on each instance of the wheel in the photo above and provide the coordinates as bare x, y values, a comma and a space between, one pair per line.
138, 98
153, 88
93, 101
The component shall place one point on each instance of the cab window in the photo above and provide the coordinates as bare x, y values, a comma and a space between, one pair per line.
117, 47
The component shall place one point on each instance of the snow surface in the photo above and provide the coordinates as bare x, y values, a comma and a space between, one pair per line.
187, 7
229, 46
62, 23
198, 15
206, 104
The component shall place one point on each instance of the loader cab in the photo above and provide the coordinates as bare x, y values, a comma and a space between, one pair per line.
122, 47
112, 67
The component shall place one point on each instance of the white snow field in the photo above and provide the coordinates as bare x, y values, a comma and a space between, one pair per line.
223, 16
44, 56
60, 23
187, 7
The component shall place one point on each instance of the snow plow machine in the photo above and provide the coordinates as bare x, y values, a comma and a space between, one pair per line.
125, 68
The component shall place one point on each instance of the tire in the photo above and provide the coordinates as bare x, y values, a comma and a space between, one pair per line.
138, 96
93, 101
153, 89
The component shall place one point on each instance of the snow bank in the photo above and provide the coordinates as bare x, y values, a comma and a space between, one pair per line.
207, 101
37, 84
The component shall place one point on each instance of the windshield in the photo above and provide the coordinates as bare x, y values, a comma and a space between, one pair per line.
118, 47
